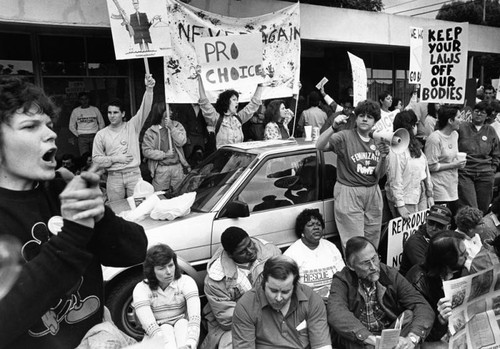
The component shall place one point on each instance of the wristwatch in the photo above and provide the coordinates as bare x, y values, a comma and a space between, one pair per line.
414, 338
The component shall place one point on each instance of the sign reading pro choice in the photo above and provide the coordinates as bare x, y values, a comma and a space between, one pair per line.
444, 63
230, 61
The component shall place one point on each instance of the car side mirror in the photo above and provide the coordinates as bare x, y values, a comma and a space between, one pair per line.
236, 209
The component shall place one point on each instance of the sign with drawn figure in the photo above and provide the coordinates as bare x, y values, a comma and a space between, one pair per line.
416, 41
280, 32
139, 28
229, 61
398, 232
359, 79
444, 63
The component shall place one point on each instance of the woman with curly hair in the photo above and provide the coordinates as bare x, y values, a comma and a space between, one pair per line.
409, 185
277, 118
166, 302
360, 164
318, 259
225, 118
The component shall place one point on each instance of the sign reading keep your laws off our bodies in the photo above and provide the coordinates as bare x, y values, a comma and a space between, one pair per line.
444, 63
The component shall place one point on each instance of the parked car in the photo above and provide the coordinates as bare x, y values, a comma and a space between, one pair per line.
258, 186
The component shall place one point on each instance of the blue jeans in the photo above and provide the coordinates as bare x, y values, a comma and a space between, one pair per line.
120, 185
475, 189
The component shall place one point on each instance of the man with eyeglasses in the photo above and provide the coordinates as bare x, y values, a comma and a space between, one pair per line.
233, 270
480, 142
367, 297
415, 248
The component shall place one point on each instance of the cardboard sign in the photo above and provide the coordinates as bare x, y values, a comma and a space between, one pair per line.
139, 30
398, 233
230, 61
359, 79
444, 63
416, 41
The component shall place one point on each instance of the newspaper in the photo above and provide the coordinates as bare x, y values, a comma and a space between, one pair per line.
389, 338
475, 316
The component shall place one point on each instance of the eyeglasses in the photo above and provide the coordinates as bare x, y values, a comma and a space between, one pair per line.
372, 261
480, 112
368, 116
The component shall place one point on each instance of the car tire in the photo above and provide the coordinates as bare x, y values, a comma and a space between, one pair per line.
119, 303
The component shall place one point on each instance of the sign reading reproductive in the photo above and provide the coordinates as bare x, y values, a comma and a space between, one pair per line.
232, 61
444, 63
398, 232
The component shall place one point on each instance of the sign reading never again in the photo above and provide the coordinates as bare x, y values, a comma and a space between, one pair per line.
230, 61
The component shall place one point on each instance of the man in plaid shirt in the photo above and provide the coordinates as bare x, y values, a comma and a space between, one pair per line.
367, 297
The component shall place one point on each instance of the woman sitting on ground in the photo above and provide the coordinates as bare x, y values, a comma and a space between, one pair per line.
167, 303
445, 260
318, 259
277, 119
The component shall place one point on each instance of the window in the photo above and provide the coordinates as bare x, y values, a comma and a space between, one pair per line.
15, 55
282, 181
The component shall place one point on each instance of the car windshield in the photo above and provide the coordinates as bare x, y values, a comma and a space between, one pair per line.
213, 177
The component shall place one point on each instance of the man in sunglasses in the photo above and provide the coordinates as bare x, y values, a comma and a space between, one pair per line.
415, 248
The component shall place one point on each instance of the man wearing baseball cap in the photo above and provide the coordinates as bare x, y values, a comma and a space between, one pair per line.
415, 248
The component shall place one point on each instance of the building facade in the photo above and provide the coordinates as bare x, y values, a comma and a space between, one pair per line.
66, 47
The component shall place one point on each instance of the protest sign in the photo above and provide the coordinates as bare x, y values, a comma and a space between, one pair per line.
416, 40
359, 79
475, 303
280, 32
229, 61
139, 30
398, 232
444, 63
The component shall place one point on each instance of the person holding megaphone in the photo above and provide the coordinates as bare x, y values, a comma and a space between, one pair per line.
409, 186
360, 164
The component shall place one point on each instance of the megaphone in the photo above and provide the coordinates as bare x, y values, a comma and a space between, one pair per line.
398, 140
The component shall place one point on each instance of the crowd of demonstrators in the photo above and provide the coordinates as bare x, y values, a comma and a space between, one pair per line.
162, 148
116, 147
84, 123
409, 186
166, 302
65, 229
360, 165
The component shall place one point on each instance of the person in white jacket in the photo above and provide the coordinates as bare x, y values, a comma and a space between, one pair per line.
162, 148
